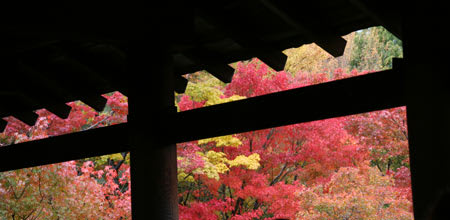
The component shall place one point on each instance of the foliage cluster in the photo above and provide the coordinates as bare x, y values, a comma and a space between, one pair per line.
369, 49
353, 167
92, 188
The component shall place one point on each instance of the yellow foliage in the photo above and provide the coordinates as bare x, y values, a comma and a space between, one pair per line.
201, 91
182, 176
207, 92
214, 164
217, 163
227, 140
205, 77
115, 157
251, 162
102, 160
214, 100
216, 157
307, 58
202, 86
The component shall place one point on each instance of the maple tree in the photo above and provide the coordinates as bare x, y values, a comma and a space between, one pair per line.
81, 117
92, 188
301, 171
65, 190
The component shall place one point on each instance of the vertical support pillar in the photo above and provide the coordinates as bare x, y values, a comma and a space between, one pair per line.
153, 156
428, 104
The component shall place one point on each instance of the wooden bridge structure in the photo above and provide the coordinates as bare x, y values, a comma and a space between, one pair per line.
50, 55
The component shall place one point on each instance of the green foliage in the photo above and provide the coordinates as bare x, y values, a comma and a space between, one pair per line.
374, 48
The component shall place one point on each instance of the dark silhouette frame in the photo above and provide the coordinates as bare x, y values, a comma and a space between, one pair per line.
151, 45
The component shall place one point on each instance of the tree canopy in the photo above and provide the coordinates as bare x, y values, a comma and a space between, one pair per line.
353, 167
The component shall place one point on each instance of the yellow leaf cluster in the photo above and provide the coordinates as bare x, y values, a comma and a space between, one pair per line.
227, 140
218, 159
208, 89
214, 100
206, 92
102, 160
182, 176
307, 58
205, 77
217, 163
251, 162
202, 91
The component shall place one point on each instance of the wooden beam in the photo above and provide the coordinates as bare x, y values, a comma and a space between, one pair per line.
380, 16
95, 142
17, 103
3, 124
366, 93
28, 117
334, 45
40, 90
61, 110
180, 83
276, 60
375, 91
222, 72
106, 60
153, 159
428, 106
97, 102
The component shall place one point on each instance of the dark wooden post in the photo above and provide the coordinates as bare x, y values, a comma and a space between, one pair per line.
428, 104
153, 157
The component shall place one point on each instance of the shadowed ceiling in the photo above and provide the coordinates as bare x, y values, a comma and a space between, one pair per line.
53, 55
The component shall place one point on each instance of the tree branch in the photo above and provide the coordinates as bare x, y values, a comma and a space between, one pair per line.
12, 188
117, 166
96, 124
276, 179
268, 138
285, 174
388, 165
23, 190
379, 168
188, 194
237, 207
256, 205
32, 211
39, 213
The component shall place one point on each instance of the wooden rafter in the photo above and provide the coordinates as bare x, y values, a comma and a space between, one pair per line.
332, 99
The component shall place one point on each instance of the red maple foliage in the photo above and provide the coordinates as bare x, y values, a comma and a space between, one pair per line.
94, 188
303, 171
353, 167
